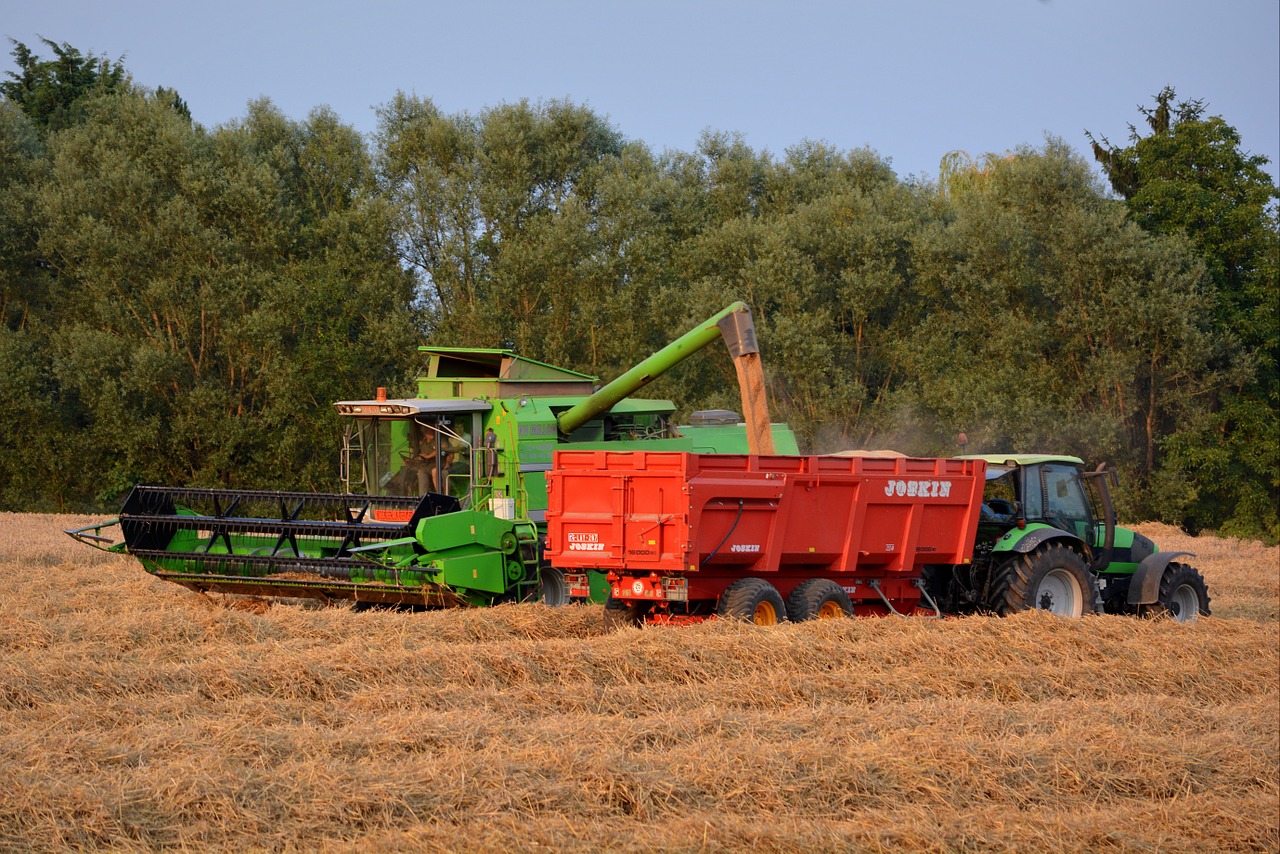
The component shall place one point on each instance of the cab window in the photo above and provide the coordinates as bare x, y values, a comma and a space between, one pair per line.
1066, 505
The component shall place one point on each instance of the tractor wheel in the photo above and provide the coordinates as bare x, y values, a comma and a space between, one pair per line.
818, 599
554, 592
1183, 594
1052, 578
619, 613
753, 600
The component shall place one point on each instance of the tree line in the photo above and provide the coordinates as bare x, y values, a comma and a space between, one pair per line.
182, 304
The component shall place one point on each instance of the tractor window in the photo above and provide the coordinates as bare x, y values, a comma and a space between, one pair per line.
1066, 505
999, 499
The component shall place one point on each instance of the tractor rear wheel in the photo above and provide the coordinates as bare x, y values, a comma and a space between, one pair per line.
818, 599
753, 600
1052, 578
619, 613
1183, 594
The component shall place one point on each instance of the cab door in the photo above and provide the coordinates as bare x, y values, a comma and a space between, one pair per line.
1066, 506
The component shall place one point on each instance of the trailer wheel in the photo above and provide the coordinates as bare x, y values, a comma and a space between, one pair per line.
1183, 595
818, 599
753, 600
1052, 578
619, 613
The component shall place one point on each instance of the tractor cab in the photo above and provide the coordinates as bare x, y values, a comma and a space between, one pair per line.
1037, 491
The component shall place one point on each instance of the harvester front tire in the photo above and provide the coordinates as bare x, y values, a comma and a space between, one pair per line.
554, 591
1052, 578
619, 613
818, 599
1183, 594
753, 600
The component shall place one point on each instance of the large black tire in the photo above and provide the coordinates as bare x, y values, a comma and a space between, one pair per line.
619, 613
553, 589
818, 599
1052, 578
1183, 594
753, 600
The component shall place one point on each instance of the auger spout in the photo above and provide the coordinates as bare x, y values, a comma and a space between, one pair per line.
732, 323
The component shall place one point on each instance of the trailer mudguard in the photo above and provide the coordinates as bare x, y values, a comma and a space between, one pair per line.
1028, 540
1144, 588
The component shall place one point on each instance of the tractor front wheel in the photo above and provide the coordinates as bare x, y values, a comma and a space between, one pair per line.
1053, 578
753, 600
1183, 594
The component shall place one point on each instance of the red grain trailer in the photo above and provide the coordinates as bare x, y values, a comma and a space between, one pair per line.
683, 536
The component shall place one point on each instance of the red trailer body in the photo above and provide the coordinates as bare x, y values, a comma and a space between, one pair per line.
672, 528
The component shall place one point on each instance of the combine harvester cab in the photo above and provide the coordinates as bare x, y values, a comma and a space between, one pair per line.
682, 537
445, 500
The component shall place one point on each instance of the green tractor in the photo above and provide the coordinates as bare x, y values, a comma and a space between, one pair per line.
445, 494
1047, 539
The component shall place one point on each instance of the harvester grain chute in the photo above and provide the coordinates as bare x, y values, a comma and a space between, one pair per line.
445, 493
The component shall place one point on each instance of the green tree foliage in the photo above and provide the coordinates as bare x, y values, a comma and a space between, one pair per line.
182, 305
1189, 177
23, 278
1054, 323
817, 243
52, 91
213, 286
42, 448
495, 214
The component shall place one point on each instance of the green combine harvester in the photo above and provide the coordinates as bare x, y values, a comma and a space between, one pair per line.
445, 494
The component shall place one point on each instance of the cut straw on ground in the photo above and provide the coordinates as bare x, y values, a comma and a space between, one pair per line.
136, 715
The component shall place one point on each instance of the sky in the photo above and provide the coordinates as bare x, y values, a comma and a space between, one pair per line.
910, 79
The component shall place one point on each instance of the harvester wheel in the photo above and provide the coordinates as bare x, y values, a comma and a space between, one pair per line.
753, 600
1183, 594
619, 613
1052, 578
818, 599
554, 592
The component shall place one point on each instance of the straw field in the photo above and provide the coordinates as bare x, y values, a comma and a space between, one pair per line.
136, 715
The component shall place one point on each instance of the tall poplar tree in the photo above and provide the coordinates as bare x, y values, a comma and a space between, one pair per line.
1189, 177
